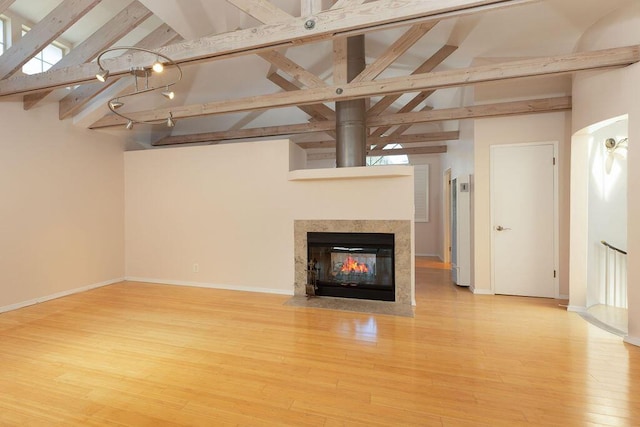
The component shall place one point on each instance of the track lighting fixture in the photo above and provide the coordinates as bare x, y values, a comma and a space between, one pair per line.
102, 75
145, 73
169, 94
157, 66
612, 145
115, 104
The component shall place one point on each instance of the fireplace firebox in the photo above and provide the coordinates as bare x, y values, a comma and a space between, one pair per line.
352, 265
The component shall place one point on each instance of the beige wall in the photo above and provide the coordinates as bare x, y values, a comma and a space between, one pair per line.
62, 190
230, 209
428, 235
512, 130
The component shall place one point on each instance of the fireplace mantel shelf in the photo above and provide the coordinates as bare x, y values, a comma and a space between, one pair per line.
350, 173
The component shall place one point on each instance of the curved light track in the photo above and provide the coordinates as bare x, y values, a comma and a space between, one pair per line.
145, 72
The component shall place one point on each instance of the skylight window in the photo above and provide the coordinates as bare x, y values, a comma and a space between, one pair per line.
2, 37
44, 59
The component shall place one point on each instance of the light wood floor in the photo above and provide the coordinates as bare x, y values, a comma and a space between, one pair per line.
140, 354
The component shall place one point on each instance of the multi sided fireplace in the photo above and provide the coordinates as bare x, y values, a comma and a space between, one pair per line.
352, 265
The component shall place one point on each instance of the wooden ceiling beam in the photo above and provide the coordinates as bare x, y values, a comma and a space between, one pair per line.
438, 149
340, 61
407, 108
214, 137
296, 71
381, 14
477, 111
545, 105
397, 132
434, 149
80, 96
393, 52
347, 3
262, 10
316, 111
426, 67
430, 81
104, 37
415, 138
4, 5
403, 139
43, 33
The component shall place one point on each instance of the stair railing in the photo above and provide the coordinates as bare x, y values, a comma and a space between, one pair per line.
615, 265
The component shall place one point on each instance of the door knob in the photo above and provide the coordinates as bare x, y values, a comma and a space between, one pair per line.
501, 228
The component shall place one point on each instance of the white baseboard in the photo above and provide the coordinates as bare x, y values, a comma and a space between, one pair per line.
476, 291
429, 255
58, 295
563, 296
632, 340
576, 309
211, 285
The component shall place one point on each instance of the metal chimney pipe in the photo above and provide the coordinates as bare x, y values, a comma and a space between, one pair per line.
351, 127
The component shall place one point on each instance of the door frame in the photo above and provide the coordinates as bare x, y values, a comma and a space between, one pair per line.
446, 217
556, 213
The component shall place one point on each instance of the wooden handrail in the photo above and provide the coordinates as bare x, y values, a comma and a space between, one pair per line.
613, 247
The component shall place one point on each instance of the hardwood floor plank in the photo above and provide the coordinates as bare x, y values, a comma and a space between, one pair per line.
145, 354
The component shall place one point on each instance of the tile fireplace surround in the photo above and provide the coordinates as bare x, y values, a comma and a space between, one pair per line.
401, 230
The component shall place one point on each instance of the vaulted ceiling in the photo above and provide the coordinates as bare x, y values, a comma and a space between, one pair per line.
264, 69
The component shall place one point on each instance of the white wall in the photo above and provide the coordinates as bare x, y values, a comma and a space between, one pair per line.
512, 130
460, 160
61, 222
429, 234
230, 209
607, 205
599, 96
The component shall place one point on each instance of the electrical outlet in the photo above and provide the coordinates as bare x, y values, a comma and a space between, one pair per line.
196, 268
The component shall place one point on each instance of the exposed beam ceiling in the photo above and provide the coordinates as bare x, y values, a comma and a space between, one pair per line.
317, 111
312, 82
477, 111
420, 82
426, 67
383, 153
328, 24
43, 33
393, 52
103, 38
248, 133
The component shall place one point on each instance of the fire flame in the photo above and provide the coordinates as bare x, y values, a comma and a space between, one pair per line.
350, 265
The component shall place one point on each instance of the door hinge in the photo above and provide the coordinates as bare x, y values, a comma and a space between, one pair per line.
554, 274
554, 161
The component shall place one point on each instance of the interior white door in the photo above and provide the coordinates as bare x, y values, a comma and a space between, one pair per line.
523, 219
